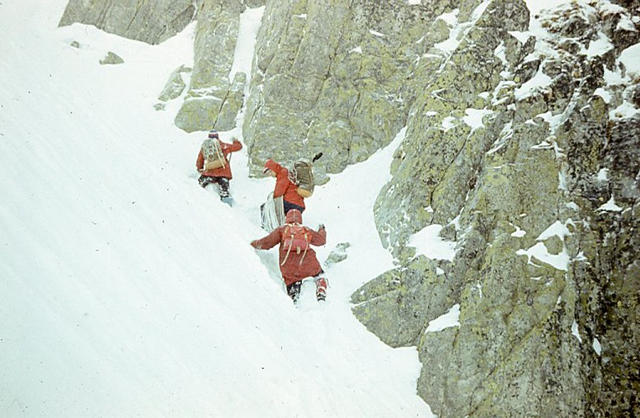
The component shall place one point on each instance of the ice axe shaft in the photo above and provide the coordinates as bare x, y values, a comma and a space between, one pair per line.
316, 157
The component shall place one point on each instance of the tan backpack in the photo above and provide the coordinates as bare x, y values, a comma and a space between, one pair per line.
302, 176
295, 237
213, 155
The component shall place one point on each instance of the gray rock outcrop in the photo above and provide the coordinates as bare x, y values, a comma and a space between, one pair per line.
111, 59
337, 77
338, 254
151, 22
175, 85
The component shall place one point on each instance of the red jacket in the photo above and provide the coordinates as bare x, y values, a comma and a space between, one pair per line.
284, 187
292, 270
222, 171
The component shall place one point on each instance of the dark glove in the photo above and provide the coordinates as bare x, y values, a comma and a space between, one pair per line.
321, 226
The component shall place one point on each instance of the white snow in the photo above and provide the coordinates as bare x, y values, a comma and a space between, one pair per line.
625, 23
474, 117
413, 2
539, 251
459, 29
610, 206
127, 290
606, 96
603, 174
624, 111
428, 242
505, 135
518, 233
630, 57
575, 331
596, 346
557, 229
521, 36
607, 8
539, 81
613, 78
500, 53
562, 180
479, 10
448, 123
450, 18
357, 50
451, 43
248, 30
599, 46
448, 320
373, 32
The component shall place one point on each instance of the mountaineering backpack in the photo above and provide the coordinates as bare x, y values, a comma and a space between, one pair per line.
213, 155
295, 238
302, 176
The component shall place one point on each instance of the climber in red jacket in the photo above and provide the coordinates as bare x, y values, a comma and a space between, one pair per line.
222, 173
284, 187
297, 260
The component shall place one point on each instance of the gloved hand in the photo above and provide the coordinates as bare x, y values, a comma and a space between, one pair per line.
321, 226
254, 244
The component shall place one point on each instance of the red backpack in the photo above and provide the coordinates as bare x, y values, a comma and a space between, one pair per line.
295, 237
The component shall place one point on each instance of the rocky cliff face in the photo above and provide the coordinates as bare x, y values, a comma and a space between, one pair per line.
336, 76
213, 100
522, 147
541, 198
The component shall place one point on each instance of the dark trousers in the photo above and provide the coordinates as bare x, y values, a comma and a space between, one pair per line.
222, 182
288, 206
293, 290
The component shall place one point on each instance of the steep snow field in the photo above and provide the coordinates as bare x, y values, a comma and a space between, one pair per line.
127, 290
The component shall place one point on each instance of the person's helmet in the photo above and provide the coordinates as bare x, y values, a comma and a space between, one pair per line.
213, 134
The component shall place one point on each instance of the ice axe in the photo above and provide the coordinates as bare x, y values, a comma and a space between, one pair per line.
316, 157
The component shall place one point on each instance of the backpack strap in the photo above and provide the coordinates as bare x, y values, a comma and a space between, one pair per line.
286, 229
306, 238
220, 154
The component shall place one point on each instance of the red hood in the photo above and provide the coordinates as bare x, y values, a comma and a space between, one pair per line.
294, 217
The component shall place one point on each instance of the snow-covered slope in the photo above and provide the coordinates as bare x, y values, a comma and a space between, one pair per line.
127, 290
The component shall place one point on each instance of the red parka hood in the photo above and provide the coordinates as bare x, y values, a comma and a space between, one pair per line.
294, 217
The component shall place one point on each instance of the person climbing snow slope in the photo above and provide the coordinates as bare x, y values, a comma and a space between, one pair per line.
213, 162
284, 187
297, 260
